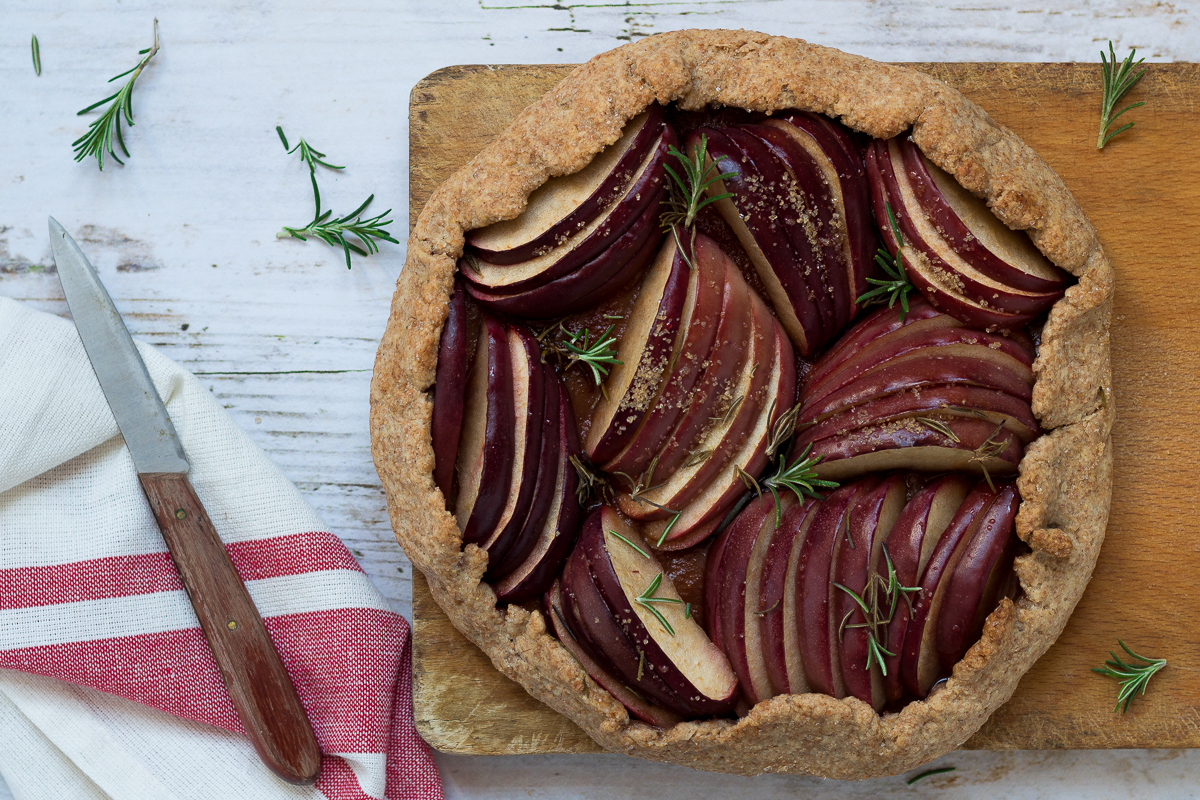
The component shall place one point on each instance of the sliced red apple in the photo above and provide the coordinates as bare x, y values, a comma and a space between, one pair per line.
973, 231
633, 702
858, 561
698, 330
816, 630
529, 405
583, 287
485, 453
588, 243
749, 214
967, 444
654, 617
975, 580
780, 593
643, 355
909, 546
919, 668
449, 393
550, 534
564, 205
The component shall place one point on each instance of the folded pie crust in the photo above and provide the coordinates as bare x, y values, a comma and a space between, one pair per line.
1065, 477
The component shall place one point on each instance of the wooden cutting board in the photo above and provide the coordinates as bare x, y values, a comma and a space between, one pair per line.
1142, 192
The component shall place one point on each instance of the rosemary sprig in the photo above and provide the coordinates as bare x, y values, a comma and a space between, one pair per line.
687, 190
990, 448
107, 127
37, 56
1133, 677
591, 482
631, 544
312, 157
647, 600
334, 231
869, 602
1117, 81
897, 286
597, 355
800, 478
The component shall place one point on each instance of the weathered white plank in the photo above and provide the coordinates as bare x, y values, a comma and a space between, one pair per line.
285, 336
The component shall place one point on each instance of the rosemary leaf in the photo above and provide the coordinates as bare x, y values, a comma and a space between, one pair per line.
930, 772
37, 56
631, 544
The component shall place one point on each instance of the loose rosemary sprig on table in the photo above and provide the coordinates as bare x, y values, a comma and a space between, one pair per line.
1133, 677
1117, 81
334, 231
647, 599
312, 157
897, 286
37, 56
107, 127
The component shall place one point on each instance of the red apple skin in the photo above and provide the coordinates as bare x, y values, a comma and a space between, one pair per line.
548, 537
713, 570
910, 374
871, 327
941, 564
802, 192
624, 408
498, 447
698, 332
577, 290
610, 190
915, 535
609, 643
856, 193
552, 605
525, 346
775, 586
969, 581
816, 627
449, 394
959, 236
854, 568
572, 255
593, 541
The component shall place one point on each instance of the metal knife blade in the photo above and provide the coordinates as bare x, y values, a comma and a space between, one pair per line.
259, 687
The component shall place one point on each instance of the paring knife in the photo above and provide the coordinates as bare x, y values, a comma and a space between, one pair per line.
261, 690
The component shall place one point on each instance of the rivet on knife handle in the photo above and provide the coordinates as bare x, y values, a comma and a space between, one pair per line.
261, 690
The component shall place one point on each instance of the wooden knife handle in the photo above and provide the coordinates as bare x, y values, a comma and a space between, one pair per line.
261, 690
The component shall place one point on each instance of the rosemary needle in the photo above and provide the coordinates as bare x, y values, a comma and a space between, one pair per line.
37, 56
106, 128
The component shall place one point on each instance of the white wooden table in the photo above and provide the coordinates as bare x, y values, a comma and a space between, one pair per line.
280, 331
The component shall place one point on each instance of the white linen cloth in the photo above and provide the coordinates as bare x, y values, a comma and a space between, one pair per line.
107, 686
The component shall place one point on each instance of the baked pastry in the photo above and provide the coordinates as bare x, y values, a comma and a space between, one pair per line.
1064, 479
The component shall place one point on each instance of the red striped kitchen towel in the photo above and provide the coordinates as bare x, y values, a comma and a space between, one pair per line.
93, 616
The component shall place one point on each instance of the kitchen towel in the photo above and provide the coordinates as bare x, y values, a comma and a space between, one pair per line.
107, 686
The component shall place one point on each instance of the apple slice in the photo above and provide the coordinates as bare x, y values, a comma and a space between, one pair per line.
919, 668
593, 620
701, 516
485, 453
780, 599
817, 631
868, 527
972, 445
643, 355
449, 393
934, 402
550, 534
751, 214
909, 545
697, 332
973, 231
637, 707
564, 205
567, 256
726, 434
529, 404
738, 593
974, 583
586, 286
651, 613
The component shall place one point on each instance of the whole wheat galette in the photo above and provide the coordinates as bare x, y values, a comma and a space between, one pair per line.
1064, 482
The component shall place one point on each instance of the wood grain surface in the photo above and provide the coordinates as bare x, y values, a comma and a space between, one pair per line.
1140, 193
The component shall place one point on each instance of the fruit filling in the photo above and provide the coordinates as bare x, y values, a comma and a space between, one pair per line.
741, 405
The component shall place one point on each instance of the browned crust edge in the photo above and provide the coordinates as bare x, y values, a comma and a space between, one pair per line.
1066, 476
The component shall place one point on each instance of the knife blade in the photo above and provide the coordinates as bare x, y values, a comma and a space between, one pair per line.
259, 686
